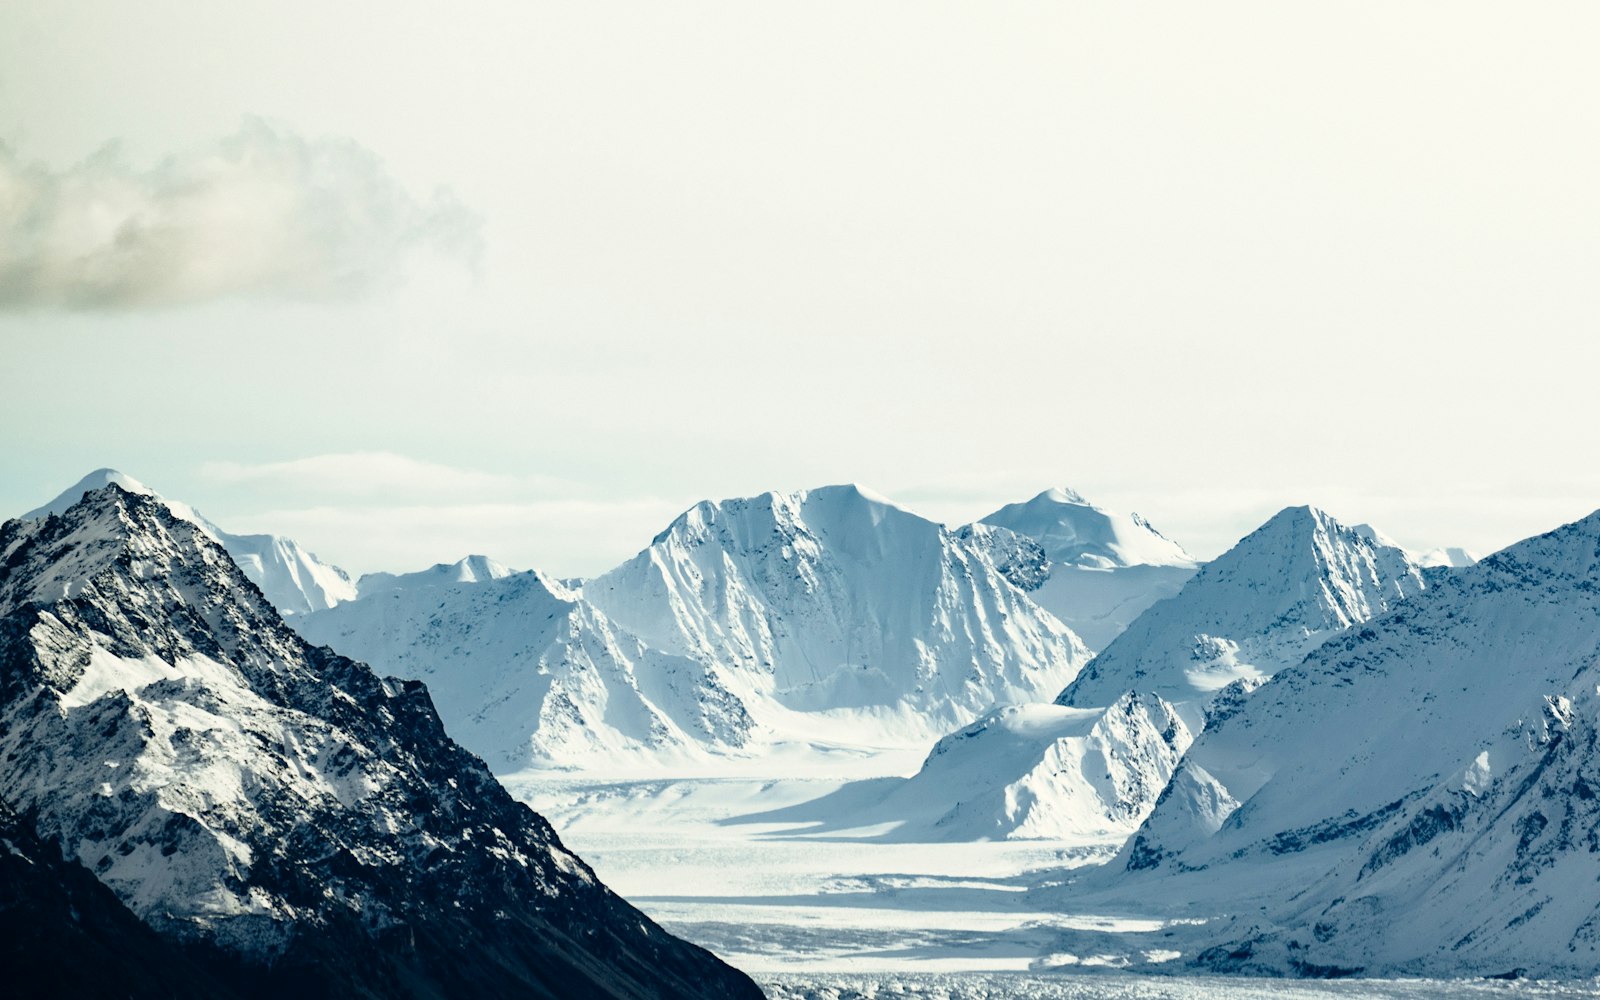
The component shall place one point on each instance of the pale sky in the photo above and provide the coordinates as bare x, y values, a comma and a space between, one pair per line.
408, 280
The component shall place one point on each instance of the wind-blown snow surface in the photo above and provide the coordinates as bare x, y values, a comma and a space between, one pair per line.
294, 580
1422, 793
523, 671
1256, 609
1102, 568
244, 792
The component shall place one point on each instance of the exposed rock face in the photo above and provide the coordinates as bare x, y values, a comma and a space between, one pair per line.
63, 934
279, 805
294, 580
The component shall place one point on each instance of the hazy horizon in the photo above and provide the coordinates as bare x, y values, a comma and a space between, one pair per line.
555, 274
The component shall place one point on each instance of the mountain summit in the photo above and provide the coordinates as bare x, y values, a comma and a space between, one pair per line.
294, 580
1075, 532
835, 601
1260, 607
1095, 569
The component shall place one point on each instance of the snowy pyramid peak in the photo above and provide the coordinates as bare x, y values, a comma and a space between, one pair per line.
1062, 495
106, 526
95, 480
264, 792
101, 478
1256, 609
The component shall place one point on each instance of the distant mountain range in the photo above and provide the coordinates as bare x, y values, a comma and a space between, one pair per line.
1373, 760
827, 615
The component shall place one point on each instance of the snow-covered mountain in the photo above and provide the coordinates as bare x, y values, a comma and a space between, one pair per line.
1451, 557
294, 580
252, 797
1101, 568
1256, 609
525, 672
472, 569
1443, 557
1421, 794
835, 601
1075, 532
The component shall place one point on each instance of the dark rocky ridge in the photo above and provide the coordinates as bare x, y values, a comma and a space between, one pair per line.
63, 934
275, 806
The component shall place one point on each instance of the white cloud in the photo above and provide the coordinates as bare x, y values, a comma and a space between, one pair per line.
263, 212
377, 473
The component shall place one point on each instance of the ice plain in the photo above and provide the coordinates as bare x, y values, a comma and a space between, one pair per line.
853, 913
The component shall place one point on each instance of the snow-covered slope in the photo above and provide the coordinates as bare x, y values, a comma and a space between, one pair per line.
294, 580
1421, 794
1258, 608
834, 601
1044, 771
1444, 557
1103, 568
240, 790
526, 673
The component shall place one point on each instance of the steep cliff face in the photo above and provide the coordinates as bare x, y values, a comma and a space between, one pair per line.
277, 804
